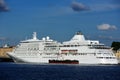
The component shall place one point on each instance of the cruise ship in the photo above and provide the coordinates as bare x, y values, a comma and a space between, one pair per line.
77, 49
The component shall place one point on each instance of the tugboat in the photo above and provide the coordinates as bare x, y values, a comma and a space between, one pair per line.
64, 61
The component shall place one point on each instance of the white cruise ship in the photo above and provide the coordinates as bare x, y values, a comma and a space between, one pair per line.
78, 49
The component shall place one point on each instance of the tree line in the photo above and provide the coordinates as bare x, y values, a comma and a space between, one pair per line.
115, 45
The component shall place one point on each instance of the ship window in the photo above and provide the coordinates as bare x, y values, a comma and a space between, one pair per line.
82, 53
66, 45
75, 45
113, 57
72, 45
107, 57
40, 53
99, 53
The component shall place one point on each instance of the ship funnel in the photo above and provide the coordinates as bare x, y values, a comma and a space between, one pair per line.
34, 35
78, 37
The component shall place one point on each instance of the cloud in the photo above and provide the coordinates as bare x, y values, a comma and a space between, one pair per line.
106, 27
3, 38
108, 37
114, 6
3, 6
79, 7
104, 7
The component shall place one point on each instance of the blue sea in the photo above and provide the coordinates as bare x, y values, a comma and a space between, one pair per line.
13, 71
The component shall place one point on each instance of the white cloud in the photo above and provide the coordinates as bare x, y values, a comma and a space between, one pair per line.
108, 37
104, 7
3, 38
106, 27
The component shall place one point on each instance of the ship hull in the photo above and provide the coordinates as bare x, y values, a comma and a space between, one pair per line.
45, 59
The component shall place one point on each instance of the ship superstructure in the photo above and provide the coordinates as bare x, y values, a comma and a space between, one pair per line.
87, 51
35, 50
42, 51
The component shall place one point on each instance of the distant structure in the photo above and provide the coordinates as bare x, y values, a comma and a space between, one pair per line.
5, 49
117, 54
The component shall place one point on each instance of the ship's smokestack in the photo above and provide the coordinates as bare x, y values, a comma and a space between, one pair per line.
34, 35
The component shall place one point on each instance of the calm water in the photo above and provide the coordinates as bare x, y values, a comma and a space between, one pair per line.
12, 71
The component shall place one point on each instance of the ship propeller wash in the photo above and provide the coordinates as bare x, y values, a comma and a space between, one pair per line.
77, 50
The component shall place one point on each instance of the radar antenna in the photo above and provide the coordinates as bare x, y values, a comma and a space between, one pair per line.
79, 33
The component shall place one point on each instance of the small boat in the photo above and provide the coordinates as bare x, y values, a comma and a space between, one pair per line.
64, 61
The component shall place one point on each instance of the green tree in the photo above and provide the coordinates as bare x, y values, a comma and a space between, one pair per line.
115, 45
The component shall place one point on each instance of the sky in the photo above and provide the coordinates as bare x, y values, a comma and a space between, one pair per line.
59, 19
